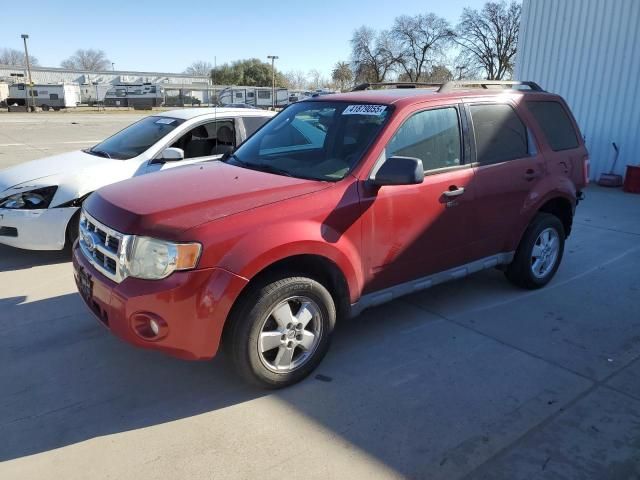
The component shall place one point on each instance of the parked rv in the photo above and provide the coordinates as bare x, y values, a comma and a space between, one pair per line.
135, 95
255, 96
4, 93
91, 94
44, 95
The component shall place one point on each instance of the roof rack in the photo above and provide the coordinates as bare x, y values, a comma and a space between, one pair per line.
456, 84
452, 85
366, 86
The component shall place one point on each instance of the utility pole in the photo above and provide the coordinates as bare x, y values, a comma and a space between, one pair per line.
113, 67
273, 80
460, 69
26, 54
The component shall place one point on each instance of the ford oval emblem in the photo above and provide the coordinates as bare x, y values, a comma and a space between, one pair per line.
89, 241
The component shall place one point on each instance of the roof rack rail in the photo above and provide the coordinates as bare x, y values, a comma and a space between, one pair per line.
457, 84
366, 86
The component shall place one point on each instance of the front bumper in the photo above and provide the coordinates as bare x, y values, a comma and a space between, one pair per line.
193, 305
44, 229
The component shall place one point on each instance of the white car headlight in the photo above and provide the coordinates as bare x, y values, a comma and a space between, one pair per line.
31, 200
153, 259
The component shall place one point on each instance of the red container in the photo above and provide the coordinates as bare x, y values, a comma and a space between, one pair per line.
632, 179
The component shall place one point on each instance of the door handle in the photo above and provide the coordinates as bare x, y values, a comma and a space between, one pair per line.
453, 191
530, 174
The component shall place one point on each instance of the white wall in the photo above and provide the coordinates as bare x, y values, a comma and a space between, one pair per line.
588, 51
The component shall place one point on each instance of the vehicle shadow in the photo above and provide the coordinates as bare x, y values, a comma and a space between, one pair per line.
17, 259
65, 379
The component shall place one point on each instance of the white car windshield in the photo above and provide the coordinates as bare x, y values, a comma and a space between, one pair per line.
136, 138
315, 139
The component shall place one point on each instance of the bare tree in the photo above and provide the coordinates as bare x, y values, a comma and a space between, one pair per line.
373, 55
342, 75
11, 56
91, 60
296, 80
421, 38
488, 38
315, 78
199, 68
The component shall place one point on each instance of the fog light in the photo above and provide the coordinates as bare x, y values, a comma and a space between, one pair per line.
149, 326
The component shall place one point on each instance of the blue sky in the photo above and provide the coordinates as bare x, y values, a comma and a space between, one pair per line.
154, 36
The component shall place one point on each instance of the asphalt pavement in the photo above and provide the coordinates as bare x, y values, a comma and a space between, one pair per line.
471, 379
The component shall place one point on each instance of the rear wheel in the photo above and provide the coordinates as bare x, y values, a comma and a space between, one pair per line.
280, 330
45, 107
539, 253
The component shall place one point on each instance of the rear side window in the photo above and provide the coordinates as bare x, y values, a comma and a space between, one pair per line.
433, 136
555, 123
500, 134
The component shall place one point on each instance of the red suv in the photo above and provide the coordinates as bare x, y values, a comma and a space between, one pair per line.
337, 204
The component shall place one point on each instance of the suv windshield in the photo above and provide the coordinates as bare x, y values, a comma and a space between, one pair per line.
314, 140
136, 138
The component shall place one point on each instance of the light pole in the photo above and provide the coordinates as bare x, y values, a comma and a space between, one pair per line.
460, 69
273, 80
113, 67
26, 55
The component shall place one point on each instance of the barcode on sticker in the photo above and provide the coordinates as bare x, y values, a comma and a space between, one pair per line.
364, 110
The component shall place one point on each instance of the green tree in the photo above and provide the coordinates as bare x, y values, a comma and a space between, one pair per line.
250, 72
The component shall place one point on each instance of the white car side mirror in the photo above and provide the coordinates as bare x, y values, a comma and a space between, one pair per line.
172, 154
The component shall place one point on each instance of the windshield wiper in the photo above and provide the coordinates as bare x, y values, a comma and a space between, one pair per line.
261, 167
101, 153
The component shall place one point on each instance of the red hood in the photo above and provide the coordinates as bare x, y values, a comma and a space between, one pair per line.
165, 203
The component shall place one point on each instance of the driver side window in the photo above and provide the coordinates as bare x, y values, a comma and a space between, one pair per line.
433, 136
213, 138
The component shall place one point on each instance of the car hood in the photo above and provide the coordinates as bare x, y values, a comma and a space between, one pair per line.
37, 170
166, 203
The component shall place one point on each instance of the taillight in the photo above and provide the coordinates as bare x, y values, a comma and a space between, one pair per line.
585, 168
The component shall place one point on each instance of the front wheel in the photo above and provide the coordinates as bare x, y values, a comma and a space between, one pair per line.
539, 253
281, 330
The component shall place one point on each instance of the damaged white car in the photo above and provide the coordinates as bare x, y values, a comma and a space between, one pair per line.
40, 200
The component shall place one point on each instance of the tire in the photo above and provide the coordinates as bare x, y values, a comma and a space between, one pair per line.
268, 313
45, 108
539, 254
72, 230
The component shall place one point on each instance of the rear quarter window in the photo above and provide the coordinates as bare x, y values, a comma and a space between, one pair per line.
555, 124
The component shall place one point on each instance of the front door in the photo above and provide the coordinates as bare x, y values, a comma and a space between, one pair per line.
416, 230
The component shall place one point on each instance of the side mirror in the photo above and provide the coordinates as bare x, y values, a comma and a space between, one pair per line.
172, 154
399, 171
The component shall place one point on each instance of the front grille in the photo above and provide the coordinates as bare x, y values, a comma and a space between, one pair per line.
102, 246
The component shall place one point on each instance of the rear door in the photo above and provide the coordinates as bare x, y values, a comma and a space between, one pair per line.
564, 148
412, 231
507, 167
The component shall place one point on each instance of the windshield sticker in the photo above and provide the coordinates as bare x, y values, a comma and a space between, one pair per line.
165, 121
364, 110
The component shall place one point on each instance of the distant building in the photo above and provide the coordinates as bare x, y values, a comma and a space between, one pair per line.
65, 75
588, 52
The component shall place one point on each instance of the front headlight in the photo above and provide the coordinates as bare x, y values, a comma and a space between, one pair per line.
153, 259
31, 200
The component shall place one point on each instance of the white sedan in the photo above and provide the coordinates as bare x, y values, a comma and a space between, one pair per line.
40, 200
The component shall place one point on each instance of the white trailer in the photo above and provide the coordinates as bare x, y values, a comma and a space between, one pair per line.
4, 93
254, 96
44, 95
135, 95
90, 94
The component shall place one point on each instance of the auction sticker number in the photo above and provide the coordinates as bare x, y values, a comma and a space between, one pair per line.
364, 110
